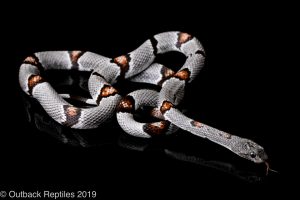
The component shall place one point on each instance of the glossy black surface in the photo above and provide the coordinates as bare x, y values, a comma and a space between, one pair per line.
237, 91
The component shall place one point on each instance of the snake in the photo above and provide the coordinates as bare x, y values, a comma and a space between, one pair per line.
137, 66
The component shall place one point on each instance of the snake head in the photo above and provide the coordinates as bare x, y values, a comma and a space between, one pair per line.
249, 150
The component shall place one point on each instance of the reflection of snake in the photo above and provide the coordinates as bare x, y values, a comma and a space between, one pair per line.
218, 165
182, 154
136, 66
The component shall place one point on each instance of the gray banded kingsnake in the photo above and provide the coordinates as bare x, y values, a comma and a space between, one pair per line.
136, 66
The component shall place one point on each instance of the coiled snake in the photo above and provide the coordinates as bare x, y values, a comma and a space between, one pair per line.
136, 66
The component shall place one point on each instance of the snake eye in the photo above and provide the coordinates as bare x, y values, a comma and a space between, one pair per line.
253, 155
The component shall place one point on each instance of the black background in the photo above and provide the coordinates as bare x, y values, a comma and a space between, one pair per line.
239, 90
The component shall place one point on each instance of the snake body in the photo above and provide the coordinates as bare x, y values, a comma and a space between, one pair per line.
136, 66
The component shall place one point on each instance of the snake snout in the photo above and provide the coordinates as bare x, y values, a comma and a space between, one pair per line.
262, 154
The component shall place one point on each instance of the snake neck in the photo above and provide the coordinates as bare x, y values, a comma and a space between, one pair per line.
220, 137
199, 129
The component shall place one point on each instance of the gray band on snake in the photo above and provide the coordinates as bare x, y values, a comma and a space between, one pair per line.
136, 66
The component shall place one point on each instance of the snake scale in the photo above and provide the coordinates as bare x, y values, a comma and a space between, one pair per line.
136, 66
